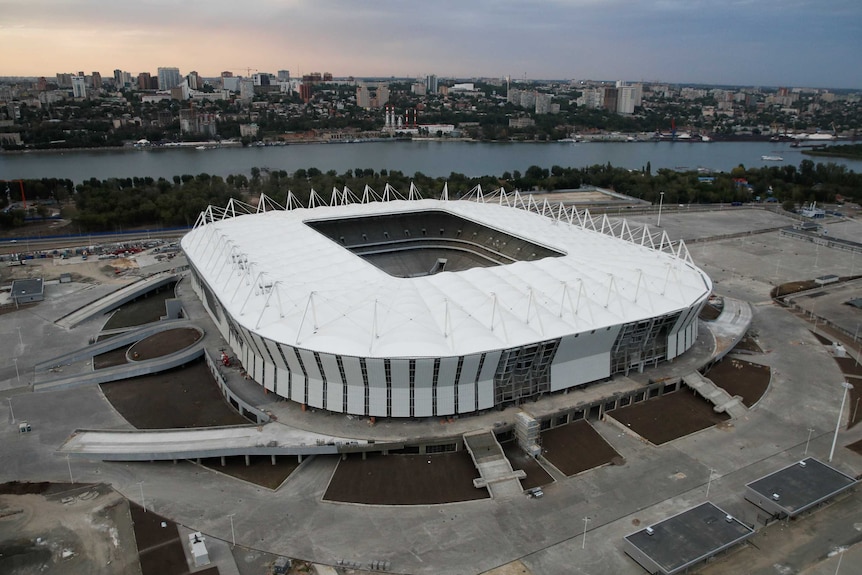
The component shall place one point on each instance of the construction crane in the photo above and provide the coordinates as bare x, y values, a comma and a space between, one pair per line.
248, 70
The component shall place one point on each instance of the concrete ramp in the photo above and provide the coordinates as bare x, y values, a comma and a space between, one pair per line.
722, 400
495, 470
730, 326
171, 444
117, 298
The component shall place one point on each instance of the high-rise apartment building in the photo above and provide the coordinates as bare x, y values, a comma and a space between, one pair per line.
79, 86
118, 78
283, 75
194, 80
64, 80
431, 84
145, 81
625, 99
97, 81
169, 78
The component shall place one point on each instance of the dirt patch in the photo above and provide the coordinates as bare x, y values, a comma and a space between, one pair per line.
849, 366
80, 530
742, 378
670, 416
405, 479
159, 545
146, 309
536, 474
259, 471
164, 343
748, 343
576, 447
709, 313
178, 398
822, 339
855, 447
793, 287
111, 358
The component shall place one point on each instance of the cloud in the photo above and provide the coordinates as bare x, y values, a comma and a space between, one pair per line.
788, 42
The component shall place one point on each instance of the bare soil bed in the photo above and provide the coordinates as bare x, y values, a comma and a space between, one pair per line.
822, 339
111, 358
855, 447
709, 313
748, 343
143, 310
405, 479
536, 474
179, 398
577, 447
160, 548
164, 343
742, 378
260, 470
793, 287
669, 417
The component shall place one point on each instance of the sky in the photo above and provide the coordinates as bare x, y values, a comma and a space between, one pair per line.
803, 43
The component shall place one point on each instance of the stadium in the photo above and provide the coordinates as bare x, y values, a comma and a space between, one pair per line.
382, 305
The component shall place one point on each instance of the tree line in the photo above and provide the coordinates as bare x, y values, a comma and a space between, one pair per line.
127, 203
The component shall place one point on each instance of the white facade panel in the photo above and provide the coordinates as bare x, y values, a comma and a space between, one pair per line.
315, 379
276, 356
297, 379
583, 358
334, 385
400, 402
485, 389
269, 376
282, 387
445, 400
423, 402
376, 387
446, 386
355, 385
467, 384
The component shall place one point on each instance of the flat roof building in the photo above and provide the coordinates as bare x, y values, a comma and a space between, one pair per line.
28, 291
686, 539
797, 487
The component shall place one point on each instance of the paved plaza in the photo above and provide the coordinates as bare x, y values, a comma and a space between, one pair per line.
579, 524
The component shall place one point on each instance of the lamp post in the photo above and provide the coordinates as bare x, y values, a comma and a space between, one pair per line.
20, 339
660, 202
584, 543
17, 373
12, 412
810, 431
846, 387
709, 482
143, 502
69, 463
232, 533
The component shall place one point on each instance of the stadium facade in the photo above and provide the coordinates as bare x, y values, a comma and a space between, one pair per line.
387, 306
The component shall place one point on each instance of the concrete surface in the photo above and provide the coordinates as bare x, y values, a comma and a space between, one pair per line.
546, 535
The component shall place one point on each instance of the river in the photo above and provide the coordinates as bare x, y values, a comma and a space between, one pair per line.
432, 158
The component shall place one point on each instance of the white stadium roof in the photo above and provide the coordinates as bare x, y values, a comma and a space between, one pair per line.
285, 281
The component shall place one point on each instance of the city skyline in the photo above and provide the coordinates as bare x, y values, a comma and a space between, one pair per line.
732, 42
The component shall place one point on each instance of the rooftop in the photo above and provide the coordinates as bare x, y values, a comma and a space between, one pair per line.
801, 485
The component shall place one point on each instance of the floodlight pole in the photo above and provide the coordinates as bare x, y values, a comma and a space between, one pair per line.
584, 543
846, 387
660, 202
810, 431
